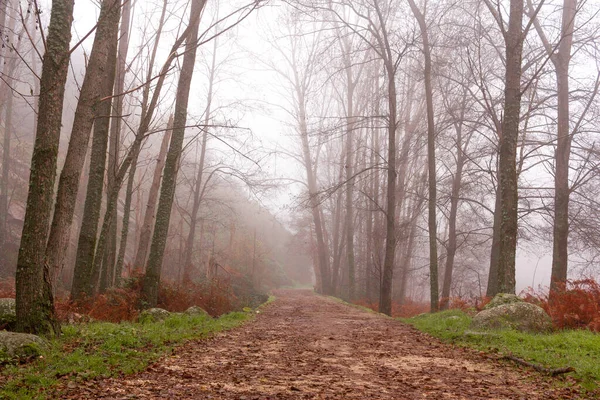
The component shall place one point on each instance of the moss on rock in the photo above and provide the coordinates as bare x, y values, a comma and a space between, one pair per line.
501, 299
20, 346
519, 316
153, 315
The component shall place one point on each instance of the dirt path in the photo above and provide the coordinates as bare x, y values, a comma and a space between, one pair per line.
304, 346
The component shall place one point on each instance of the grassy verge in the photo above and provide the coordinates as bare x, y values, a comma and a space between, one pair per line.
578, 349
101, 349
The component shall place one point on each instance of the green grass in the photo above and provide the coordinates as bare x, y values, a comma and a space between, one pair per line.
101, 349
579, 349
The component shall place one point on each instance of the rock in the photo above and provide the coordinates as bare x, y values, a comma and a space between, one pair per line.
8, 313
153, 315
20, 346
519, 316
501, 299
195, 310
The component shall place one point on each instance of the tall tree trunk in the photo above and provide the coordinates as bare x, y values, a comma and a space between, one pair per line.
560, 250
508, 150
324, 273
148, 224
385, 296
7, 72
8, 131
454, 201
35, 303
431, 162
350, 186
115, 139
189, 247
167, 192
85, 279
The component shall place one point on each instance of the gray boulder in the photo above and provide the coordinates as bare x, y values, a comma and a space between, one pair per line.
195, 310
20, 346
153, 315
519, 316
501, 299
8, 313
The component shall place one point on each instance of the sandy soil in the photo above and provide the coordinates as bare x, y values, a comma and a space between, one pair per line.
304, 346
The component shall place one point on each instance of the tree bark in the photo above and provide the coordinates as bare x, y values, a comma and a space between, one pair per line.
115, 135
508, 150
431, 161
560, 249
189, 247
454, 201
167, 193
148, 224
35, 303
85, 279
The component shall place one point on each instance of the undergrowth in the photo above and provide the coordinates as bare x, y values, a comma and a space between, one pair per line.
579, 349
575, 306
217, 297
102, 349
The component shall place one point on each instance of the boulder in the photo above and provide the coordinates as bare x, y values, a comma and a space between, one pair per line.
195, 310
8, 313
519, 316
153, 315
20, 346
501, 299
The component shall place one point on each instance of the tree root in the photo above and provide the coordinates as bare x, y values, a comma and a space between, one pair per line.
537, 367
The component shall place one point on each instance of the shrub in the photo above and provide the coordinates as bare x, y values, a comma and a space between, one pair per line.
576, 306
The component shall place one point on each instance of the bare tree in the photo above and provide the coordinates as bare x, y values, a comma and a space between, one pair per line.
163, 214
83, 280
35, 302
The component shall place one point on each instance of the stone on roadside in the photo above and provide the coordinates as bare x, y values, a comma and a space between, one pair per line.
521, 316
20, 346
8, 313
501, 299
195, 310
153, 315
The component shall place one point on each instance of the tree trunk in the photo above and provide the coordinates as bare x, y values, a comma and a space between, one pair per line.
148, 224
189, 248
350, 185
508, 150
167, 193
85, 279
432, 203
35, 303
113, 274
560, 251
492, 286
454, 201
324, 273
385, 295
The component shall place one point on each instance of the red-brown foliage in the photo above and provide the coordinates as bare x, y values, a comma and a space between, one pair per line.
409, 309
215, 297
115, 305
468, 304
576, 306
7, 288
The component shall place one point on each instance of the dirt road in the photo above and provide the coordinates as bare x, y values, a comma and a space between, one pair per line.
304, 346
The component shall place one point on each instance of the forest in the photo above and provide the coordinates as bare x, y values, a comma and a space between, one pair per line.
172, 169
383, 152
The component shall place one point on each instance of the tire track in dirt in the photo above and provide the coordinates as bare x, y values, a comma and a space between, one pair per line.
304, 346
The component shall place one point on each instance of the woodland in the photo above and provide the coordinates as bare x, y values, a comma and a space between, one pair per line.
385, 152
